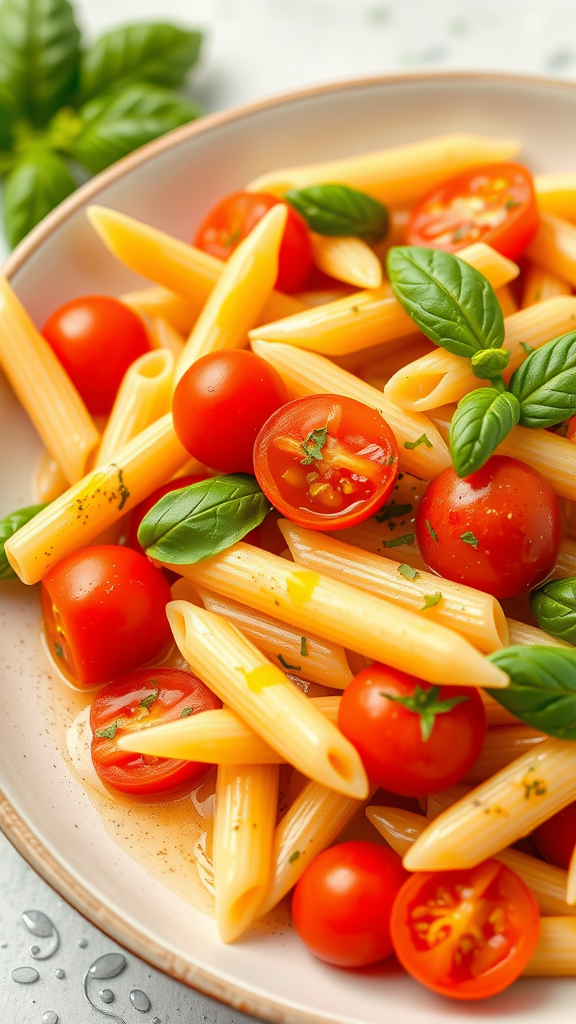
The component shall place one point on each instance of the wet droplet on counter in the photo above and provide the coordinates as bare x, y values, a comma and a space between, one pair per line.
139, 1000
82, 943
49, 1017
60, 973
25, 975
108, 966
38, 923
156, 1021
34, 950
106, 995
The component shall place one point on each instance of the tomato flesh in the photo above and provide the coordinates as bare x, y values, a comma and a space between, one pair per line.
556, 838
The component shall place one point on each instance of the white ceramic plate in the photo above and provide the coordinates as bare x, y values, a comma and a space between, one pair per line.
44, 810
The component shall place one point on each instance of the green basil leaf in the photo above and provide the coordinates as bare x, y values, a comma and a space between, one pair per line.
340, 210
482, 420
542, 690
6, 132
554, 607
115, 124
39, 55
451, 302
36, 184
545, 383
198, 521
488, 363
158, 53
10, 525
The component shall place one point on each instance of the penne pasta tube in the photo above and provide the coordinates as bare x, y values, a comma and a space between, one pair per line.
501, 746
520, 633
158, 302
540, 285
495, 713
163, 335
473, 614
239, 295
100, 499
369, 625
506, 299
441, 377
397, 175
307, 373
566, 561
438, 802
377, 371
49, 482
44, 388
244, 824
144, 395
501, 810
555, 953
347, 259
554, 247
400, 828
556, 193
260, 693
571, 881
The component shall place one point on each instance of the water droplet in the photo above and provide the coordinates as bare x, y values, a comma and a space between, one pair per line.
156, 1021
60, 973
82, 943
38, 923
25, 975
107, 966
139, 1000
106, 995
34, 950
49, 1017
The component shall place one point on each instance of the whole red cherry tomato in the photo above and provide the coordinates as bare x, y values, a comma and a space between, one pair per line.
556, 838
221, 403
494, 204
138, 513
234, 217
144, 698
413, 738
342, 903
104, 613
467, 934
498, 530
325, 461
96, 338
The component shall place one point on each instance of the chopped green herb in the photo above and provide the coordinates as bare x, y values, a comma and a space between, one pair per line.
124, 492
535, 788
430, 600
511, 203
461, 232
407, 538
186, 712
313, 445
109, 732
147, 701
59, 651
527, 348
392, 511
408, 572
294, 856
431, 530
421, 440
284, 663
470, 538
303, 647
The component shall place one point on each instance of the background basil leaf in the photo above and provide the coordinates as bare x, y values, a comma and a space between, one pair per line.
158, 53
39, 54
200, 520
35, 185
542, 690
9, 526
339, 210
554, 606
481, 422
451, 302
545, 383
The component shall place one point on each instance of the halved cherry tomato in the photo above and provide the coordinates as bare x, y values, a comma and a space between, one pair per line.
144, 698
413, 738
498, 530
556, 838
221, 403
326, 461
495, 204
467, 934
96, 338
104, 613
234, 217
342, 903
138, 513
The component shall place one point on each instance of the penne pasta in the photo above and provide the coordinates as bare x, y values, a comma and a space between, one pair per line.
438, 802
400, 828
377, 369
554, 247
163, 335
555, 953
520, 633
506, 299
347, 259
501, 746
566, 561
540, 285
495, 713
157, 302
49, 482
556, 193
276, 709
144, 395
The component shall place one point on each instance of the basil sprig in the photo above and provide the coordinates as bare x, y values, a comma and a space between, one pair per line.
482, 420
545, 383
10, 525
198, 521
542, 689
554, 607
340, 210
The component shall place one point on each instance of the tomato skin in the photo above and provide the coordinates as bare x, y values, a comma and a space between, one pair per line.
511, 511
342, 903
349, 476
221, 403
495, 960
446, 218
120, 702
556, 838
105, 609
138, 513
96, 338
234, 217
388, 736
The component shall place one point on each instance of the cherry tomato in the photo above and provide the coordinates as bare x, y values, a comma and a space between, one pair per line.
413, 738
144, 698
234, 217
221, 403
556, 838
96, 338
494, 204
467, 934
104, 613
138, 513
498, 530
342, 903
325, 461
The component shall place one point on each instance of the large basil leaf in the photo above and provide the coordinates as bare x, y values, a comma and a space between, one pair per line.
35, 185
542, 690
116, 124
195, 522
340, 210
10, 525
39, 54
554, 606
451, 302
545, 383
481, 422
158, 53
